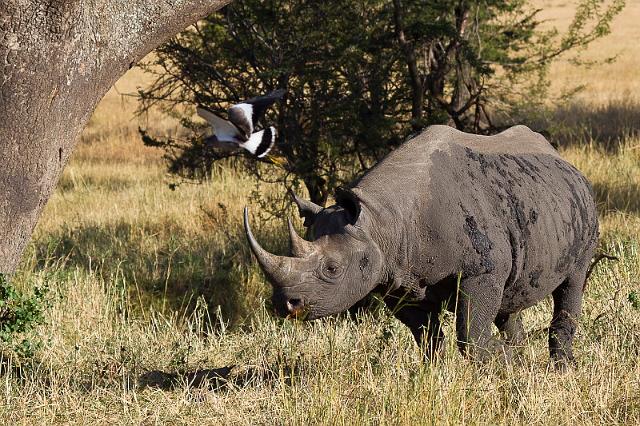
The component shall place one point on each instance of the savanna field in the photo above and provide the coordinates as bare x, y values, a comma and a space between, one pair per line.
156, 311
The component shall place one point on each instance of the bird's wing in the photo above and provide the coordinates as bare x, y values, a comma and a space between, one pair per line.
260, 143
241, 115
224, 130
245, 115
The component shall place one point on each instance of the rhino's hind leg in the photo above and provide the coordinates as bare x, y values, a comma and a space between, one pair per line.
479, 300
511, 329
567, 302
513, 334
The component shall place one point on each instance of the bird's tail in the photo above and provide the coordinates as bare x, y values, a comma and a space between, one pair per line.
260, 143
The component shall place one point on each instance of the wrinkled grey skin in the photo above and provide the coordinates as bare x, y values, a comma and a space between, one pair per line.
515, 220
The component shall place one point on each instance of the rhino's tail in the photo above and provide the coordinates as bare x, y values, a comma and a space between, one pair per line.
595, 261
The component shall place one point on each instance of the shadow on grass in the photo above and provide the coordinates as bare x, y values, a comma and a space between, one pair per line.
616, 198
213, 378
607, 125
161, 264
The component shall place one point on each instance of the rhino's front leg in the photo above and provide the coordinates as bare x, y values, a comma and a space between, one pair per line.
478, 302
425, 327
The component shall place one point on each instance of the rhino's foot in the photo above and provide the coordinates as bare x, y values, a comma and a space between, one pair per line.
493, 351
562, 361
560, 339
563, 365
511, 329
512, 332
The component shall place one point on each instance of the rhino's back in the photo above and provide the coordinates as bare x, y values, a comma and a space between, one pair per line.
417, 153
504, 204
517, 140
406, 173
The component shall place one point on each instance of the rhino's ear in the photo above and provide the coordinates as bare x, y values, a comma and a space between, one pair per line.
307, 209
350, 202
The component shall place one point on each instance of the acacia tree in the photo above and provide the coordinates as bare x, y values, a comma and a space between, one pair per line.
478, 64
58, 58
360, 76
335, 59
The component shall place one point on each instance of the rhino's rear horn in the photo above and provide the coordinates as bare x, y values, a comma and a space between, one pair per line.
299, 246
307, 209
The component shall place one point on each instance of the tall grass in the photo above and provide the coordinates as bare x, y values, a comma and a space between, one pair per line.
155, 298
103, 364
158, 314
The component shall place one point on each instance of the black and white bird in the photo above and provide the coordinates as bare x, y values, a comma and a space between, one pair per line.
238, 130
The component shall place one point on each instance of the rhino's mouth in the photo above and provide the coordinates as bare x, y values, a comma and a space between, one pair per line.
290, 308
299, 314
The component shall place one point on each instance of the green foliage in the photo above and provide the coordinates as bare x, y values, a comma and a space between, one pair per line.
361, 77
634, 299
19, 314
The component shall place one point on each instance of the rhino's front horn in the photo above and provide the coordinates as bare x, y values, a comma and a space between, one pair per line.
299, 246
277, 268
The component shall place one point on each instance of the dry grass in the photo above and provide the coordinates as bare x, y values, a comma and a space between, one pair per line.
604, 83
153, 288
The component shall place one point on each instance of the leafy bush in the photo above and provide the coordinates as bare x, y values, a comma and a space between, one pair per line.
20, 313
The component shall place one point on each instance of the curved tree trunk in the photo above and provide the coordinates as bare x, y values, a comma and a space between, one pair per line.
58, 59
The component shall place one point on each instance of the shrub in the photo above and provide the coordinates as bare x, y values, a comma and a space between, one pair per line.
20, 313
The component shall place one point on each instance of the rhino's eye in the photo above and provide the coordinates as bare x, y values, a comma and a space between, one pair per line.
331, 269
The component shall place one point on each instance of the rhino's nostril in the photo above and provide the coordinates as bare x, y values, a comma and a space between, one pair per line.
295, 305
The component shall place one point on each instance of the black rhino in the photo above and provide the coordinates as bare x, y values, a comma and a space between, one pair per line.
484, 225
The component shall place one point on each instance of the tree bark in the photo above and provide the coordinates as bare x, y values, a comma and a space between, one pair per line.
58, 59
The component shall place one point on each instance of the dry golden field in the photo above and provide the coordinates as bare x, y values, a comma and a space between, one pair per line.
153, 292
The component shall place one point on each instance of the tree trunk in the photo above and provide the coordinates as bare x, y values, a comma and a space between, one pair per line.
415, 79
58, 59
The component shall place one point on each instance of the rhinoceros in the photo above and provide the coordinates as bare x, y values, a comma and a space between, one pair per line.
485, 226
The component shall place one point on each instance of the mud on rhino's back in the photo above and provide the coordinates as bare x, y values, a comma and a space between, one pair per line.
483, 199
